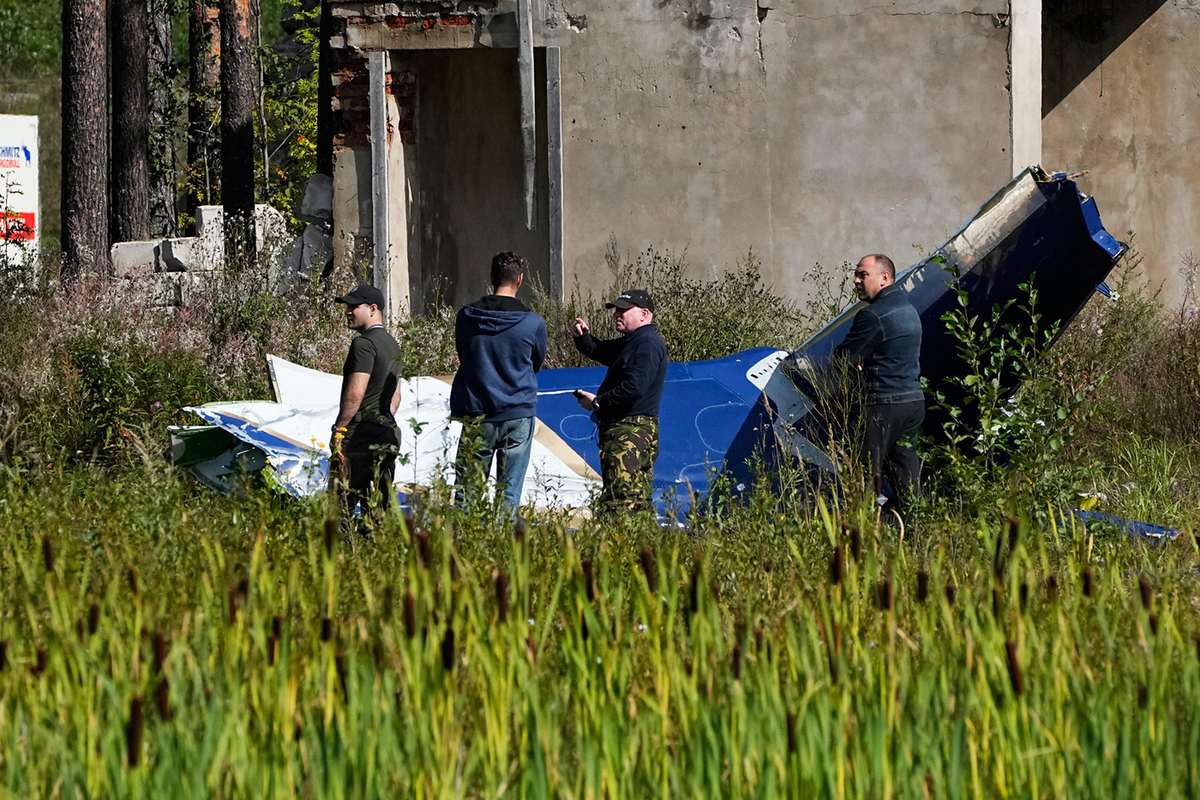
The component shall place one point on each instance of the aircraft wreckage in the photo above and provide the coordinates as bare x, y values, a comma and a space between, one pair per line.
716, 415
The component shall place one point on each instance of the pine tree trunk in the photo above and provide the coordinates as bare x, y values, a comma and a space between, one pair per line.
130, 201
162, 73
239, 77
204, 71
84, 138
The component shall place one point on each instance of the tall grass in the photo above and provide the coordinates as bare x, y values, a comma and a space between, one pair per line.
160, 642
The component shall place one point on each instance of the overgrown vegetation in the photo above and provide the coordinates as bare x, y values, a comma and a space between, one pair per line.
157, 639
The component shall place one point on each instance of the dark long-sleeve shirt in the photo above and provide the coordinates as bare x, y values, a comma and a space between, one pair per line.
885, 338
637, 369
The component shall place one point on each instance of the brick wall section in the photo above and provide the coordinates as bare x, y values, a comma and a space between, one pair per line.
352, 103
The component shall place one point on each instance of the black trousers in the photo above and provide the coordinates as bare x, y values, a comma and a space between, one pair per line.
370, 450
884, 452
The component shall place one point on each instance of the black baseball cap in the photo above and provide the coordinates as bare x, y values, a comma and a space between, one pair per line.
632, 298
362, 294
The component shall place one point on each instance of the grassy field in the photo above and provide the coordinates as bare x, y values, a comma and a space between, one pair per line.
158, 640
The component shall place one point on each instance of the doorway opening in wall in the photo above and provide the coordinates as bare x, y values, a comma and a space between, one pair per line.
469, 173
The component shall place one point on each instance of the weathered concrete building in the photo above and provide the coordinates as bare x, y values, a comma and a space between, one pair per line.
808, 130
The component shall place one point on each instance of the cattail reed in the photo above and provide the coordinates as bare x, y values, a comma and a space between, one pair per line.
1144, 588
410, 615
243, 588
131, 577
297, 732
1052, 586
951, 593
589, 585
47, 554
160, 652
1014, 668
922, 586
423, 557
389, 601
79, 628
448, 649
737, 662
831, 651
4, 653
791, 732
40, 666
884, 595
233, 605
502, 594
339, 664
1023, 595
1197, 650
331, 536
856, 543
758, 639
997, 601
519, 529
93, 619
133, 731
837, 565
583, 628
277, 626
694, 590
1086, 576
272, 644
410, 522
1154, 624
531, 648
1143, 695
162, 695
648, 569
998, 558
326, 629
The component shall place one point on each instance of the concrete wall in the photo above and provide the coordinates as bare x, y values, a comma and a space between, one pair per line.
1122, 99
810, 131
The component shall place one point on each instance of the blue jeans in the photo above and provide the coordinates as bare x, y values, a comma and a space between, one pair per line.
510, 442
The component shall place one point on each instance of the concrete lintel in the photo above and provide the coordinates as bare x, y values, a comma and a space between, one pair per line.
419, 34
1025, 60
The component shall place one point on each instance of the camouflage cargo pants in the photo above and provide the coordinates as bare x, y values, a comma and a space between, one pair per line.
628, 449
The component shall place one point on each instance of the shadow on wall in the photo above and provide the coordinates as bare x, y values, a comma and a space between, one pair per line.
1077, 35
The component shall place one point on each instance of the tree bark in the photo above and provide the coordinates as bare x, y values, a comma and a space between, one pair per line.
130, 201
84, 138
204, 71
239, 77
163, 114
325, 66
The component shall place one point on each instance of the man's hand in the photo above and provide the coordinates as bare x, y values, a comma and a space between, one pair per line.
579, 328
586, 400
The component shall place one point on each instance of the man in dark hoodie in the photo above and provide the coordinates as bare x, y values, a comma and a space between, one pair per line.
627, 402
501, 345
885, 343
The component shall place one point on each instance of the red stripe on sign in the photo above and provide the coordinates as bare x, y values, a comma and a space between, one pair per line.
14, 226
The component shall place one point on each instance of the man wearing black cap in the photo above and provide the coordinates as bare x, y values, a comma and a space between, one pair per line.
626, 405
365, 438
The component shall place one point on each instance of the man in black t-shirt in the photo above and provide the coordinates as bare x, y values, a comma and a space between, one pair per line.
365, 439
